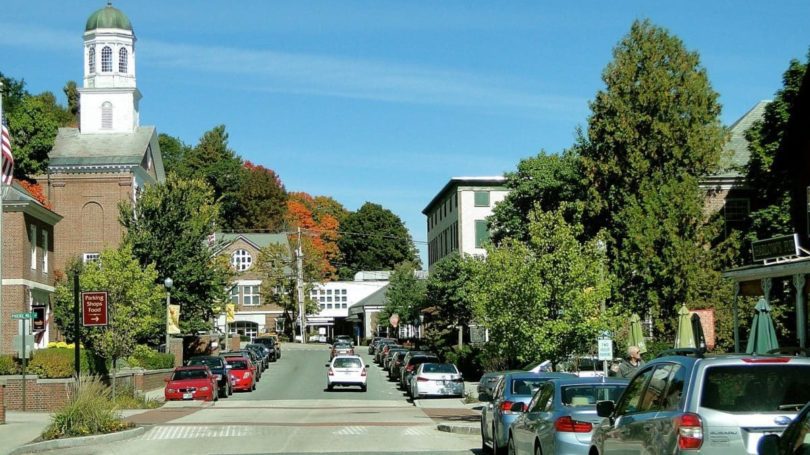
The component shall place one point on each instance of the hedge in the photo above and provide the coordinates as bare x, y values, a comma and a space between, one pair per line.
53, 363
149, 359
8, 365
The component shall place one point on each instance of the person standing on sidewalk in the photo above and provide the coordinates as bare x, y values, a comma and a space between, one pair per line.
632, 363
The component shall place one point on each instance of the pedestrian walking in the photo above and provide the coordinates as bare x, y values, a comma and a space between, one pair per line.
632, 363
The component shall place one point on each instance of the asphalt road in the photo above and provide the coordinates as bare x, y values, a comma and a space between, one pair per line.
292, 413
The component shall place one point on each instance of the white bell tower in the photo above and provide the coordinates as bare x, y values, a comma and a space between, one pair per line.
109, 97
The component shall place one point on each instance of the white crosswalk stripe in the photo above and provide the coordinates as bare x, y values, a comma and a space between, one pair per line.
196, 432
351, 431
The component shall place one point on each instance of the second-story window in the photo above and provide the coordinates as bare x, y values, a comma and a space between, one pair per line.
33, 237
45, 251
91, 60
482, 198
250, 295
107, 116
122, 60
106, 60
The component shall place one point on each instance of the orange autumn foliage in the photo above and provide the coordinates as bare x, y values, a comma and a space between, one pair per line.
319, 232
35, 190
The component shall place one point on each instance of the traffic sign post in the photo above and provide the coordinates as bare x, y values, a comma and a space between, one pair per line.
94, 309
605, 353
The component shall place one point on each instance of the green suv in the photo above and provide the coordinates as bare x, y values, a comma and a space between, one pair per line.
713, 404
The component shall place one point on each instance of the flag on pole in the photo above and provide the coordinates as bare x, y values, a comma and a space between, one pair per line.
8, 158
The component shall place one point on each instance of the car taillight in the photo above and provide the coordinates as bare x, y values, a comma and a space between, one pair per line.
566, 424
690, 431
506, 407
331, 372
422, 379
363, 373
409, 368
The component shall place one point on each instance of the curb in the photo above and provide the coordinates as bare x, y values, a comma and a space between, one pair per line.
78, 442
461, 429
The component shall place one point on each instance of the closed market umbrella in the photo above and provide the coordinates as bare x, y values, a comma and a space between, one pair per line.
636, 334
763, 336
685, 336
697, 330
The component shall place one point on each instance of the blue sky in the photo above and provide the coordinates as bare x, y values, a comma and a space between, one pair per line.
385, 101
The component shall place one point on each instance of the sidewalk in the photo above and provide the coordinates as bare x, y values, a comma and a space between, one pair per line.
454, 415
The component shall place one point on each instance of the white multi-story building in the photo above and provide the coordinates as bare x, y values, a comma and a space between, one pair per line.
336, 297
457, 216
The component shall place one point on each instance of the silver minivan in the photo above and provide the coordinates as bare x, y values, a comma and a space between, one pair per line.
690, 403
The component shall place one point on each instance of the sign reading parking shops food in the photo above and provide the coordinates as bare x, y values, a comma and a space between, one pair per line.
605, 351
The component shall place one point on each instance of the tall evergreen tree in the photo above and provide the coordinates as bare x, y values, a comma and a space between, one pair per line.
652, 132
262, 200
173, 152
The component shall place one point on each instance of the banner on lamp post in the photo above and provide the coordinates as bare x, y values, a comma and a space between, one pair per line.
173, 319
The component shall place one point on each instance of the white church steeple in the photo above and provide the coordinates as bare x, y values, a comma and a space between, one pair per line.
109, 97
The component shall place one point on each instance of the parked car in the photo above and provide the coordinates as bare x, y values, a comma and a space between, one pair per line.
390, 355
561, 416
261, 352
497, 414
382, 353
345, 338
382, 349
272, 345
218, 368
437, 379
346, 370
341, 349
255, 368
719, 404
242, 373
409, 369
395, 365
375, 344
795, 440
490, 379
191, 383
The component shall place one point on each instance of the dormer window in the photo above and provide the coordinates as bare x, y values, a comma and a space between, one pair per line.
107, 116
106, 60
91, 60
122, 60
241, 260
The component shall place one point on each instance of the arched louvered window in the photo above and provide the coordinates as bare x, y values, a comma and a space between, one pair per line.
106, 60
122, 60
91, 60
107, 116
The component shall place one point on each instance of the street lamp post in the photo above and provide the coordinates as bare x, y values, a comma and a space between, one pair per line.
168, 283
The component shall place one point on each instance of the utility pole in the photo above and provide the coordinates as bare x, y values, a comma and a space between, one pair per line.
299, 262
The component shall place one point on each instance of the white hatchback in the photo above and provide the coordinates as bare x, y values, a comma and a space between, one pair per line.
346, 370
437, 379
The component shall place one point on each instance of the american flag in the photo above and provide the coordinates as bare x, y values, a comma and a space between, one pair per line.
8, 158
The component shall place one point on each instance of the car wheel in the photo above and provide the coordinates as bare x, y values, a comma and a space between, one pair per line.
484, 447
537, 450
215, 395
330, 387
510, 446
254, 386
363, 388
230, 389
495, 449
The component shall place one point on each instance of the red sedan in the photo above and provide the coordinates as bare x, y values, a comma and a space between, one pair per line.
242, 373
191, 383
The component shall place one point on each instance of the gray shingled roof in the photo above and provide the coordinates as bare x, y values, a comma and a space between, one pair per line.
71, 148
376, 298
259, 240
735, 152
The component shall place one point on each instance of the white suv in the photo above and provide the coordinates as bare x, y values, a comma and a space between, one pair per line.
346, 370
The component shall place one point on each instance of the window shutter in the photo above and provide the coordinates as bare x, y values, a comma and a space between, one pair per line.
482, 198
481, 233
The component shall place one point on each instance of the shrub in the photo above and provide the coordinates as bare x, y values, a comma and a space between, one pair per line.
149, 359
126, 398
53, 363
8, 365
89, 411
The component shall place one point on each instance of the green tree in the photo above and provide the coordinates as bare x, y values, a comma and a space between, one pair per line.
168, 226
775, 165
653, 131
33, 125
13, 93
449, 301
374, 238
136, 303
405, 295
325, 205
213, 161
547, 180
72, 94
173, 151
262, 200
542, 299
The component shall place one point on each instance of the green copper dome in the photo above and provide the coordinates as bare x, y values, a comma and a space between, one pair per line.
108, 17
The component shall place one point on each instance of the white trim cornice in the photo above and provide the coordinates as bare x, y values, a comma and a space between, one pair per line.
29, 283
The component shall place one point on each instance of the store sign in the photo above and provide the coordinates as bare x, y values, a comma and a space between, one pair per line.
776, 247
39, 319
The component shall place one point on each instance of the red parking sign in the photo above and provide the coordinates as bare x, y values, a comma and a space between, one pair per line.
94, 308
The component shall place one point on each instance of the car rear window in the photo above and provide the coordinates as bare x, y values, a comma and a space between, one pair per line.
526, 386
189, 374
237, 364
588, 395
209, 362
439, 368
347, 363
756, 388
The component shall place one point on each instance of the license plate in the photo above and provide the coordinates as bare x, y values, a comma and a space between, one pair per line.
186, 396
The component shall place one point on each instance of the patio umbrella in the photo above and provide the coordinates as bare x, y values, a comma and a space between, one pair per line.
763, 336
636, 334
685, 336
697, 330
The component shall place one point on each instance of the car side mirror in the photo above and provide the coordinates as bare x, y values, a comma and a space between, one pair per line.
605, 408
485, 397
368, 366
768, 445
518, 406
326, 365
